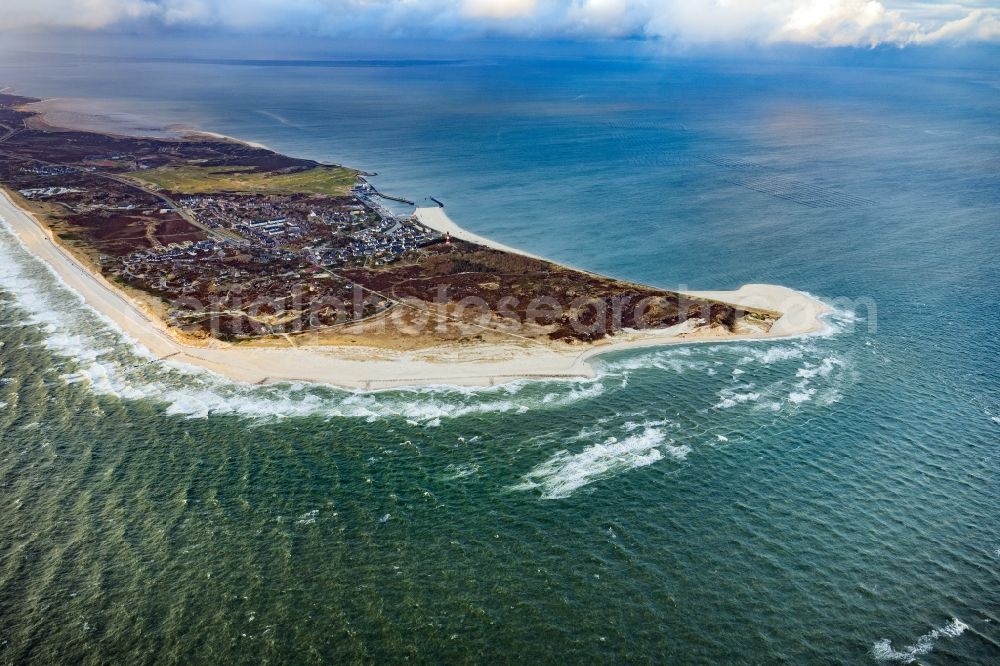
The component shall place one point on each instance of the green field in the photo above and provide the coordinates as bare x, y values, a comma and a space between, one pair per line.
334, 181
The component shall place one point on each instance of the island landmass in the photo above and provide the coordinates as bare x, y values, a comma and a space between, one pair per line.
229, 256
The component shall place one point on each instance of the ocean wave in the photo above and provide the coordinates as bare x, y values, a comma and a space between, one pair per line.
565, 473
801, 395
426, 407
677, 359
773, 354
819, 377
730, 396
308, 518
453, 472
810, 370
882, 649
834, 371
838, 320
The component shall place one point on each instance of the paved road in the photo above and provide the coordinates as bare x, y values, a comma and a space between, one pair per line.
9, 132
220, 234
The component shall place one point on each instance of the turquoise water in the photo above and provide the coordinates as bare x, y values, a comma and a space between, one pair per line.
828, 499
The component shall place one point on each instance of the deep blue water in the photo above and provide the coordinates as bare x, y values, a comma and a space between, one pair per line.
830, 499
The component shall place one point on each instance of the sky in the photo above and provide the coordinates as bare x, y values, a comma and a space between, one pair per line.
818, 23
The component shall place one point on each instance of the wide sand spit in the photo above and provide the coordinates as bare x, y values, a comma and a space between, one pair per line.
374, 368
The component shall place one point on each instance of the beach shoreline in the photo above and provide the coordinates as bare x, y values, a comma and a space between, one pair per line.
435, 218
360, 368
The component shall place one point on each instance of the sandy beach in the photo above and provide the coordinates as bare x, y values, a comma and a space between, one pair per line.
435, 218
364, 368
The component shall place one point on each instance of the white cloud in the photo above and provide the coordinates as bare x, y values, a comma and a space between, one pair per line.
977, 26
684, 22
845, 23
816, 22
611, 18
499, 9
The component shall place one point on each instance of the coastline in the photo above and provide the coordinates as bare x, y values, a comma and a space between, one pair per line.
63, 114
370, 368
438, 220
801, 313
68, 114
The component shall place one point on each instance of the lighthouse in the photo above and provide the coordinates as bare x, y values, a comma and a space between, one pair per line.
447, 238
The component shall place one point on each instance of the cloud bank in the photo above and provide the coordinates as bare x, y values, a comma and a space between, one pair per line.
861, 23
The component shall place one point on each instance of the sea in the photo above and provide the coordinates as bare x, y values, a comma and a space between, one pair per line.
827, 499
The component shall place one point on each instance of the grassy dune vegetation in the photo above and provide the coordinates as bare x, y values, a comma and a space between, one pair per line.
326, 180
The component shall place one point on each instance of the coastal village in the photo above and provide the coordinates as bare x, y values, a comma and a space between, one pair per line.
269, 242
226, 248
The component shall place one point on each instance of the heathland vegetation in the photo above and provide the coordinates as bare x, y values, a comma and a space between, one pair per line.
190, 179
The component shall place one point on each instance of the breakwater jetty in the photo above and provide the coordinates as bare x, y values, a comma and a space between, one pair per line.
392, 198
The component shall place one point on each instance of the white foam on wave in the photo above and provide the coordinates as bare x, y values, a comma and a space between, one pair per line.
675, 359
773, 354
809, 370
308, 518
111, 363
882, 649
678, 452
564, 473
838, 320
801, 395
820, 377
582, 390
454, 472
632, 426
427, 407
803, 390
730, 396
